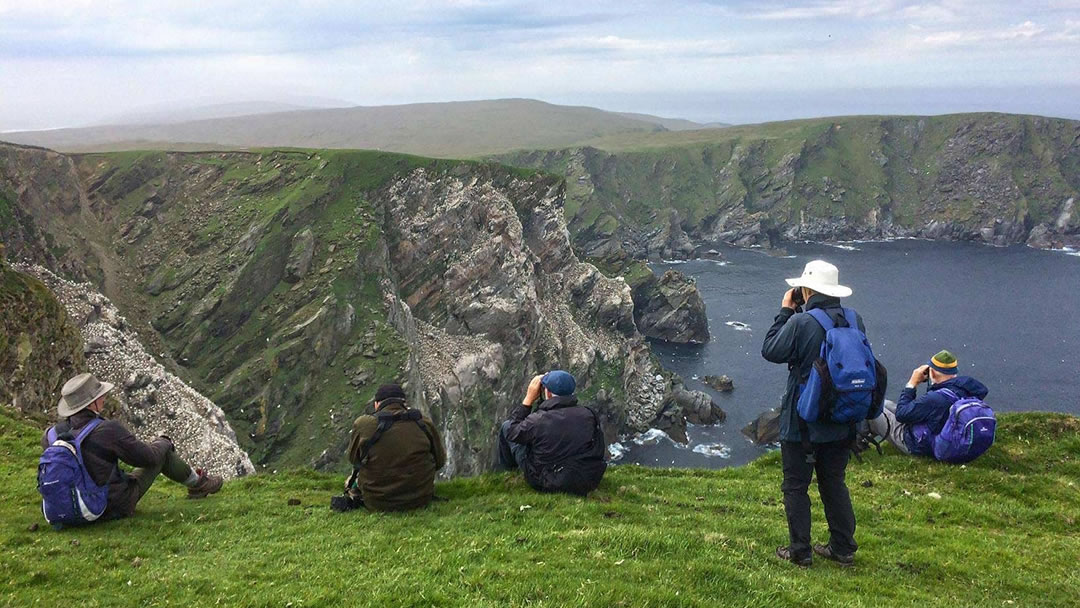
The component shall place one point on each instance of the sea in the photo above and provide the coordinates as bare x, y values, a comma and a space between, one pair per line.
1011, 315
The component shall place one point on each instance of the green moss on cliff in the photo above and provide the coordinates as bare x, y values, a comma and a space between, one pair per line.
40, 348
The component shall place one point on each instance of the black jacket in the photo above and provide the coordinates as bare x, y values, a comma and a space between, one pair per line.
565, 445
795, 339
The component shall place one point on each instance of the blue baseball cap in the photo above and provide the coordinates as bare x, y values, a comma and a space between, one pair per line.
559, 382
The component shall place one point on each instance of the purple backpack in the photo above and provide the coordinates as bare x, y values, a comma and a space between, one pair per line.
69, 497
968, 431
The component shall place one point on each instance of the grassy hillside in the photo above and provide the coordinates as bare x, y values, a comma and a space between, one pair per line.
457, 129
1003, 533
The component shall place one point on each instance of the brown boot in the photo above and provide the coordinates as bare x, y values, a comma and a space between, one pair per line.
208, 484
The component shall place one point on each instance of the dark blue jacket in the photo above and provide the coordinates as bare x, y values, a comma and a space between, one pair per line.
795, 339
933, 408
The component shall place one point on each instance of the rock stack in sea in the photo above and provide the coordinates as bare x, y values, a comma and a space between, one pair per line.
152, 400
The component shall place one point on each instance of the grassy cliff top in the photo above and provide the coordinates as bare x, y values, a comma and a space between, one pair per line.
1004, 532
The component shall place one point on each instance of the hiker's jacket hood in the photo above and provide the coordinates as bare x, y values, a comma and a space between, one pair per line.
795, 339
106, 446
933, 408
399, 472
565, 445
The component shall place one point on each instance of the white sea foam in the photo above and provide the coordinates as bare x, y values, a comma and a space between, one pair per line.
716, 450
674, 261
650, 437
738, 325
616, 451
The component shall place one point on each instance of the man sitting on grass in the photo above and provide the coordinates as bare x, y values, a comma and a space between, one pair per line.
105, 443
900, 424
559, 445
395, 455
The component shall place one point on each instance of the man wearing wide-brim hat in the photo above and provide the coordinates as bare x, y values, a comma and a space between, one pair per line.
82, 400
795, 340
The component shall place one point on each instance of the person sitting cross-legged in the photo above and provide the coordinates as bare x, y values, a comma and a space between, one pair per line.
395, 455
101, 445
558, 445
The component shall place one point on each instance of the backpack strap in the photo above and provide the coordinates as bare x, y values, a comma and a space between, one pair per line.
387, 420
822, 318
851, 318
948, 393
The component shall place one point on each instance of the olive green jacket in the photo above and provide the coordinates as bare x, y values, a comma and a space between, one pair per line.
399, 472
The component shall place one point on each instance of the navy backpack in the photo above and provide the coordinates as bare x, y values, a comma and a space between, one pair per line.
847, 383
69, 497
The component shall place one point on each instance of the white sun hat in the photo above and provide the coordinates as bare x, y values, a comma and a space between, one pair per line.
822, 277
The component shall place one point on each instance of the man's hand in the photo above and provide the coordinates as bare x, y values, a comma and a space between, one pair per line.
534, 391
789, 298
919, 374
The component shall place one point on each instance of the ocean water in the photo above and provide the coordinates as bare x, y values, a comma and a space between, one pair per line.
1011, 316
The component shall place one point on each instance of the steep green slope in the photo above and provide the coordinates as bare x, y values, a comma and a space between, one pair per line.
1004, 532
992, 177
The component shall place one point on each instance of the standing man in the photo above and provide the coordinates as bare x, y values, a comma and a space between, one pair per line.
559, 445
795, 339
104, 443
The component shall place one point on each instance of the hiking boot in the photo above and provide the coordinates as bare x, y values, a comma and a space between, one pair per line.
784, 553
208, 484
827, 552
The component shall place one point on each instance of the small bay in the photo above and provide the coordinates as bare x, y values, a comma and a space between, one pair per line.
1011, 315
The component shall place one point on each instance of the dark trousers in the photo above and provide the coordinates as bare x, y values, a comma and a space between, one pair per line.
832, 459
511, 455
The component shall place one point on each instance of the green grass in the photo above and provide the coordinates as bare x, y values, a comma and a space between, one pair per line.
1004, 533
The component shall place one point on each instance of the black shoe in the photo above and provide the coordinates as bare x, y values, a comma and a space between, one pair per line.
827, 552
784, 553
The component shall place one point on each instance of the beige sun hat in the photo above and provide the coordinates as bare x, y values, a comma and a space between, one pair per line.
822, 277
79, 392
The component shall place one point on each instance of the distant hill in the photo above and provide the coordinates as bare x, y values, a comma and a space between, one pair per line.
456, 129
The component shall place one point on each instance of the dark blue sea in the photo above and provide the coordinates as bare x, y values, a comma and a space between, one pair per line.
1010, 315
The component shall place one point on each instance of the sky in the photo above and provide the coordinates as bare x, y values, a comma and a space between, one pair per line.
78, 62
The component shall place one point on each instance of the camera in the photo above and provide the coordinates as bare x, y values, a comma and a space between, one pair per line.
796, 296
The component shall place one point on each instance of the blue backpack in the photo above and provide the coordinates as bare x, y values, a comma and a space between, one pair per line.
847, 383
69, 497
968, 432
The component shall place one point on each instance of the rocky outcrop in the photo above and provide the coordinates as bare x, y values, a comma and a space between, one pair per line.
764, 429
488, 292
720, 383
150, 400
682, 406
670, 308
303, 248
40, 345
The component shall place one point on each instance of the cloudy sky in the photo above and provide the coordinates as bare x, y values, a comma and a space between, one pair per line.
75, 62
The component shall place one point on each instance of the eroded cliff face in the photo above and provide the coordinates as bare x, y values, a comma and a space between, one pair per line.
999, 179
287, 285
